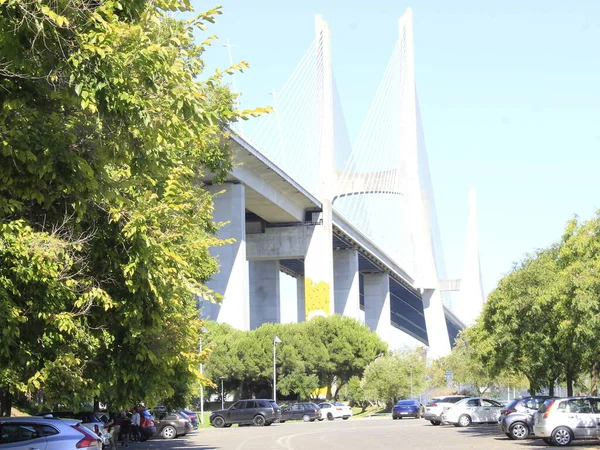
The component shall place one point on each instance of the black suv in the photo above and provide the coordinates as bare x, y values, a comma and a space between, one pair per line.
300, 411
245, 412
516, 418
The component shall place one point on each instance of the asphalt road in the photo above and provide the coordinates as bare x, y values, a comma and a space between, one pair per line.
357, 434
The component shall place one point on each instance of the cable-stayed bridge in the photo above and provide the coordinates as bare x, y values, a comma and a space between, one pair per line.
354, 223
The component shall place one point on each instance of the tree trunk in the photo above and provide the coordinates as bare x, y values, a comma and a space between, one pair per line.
595, 370
5, 402
550, 389
96, 404
569, 383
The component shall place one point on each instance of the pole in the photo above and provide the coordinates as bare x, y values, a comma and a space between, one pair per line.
201, 389
274, 371
222, 395
411, 384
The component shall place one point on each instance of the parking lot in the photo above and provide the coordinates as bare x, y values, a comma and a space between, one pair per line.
376, 433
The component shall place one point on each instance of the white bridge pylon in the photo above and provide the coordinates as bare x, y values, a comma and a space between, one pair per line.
381, 183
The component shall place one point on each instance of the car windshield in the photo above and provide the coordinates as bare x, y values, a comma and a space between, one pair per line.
513, 404
405, 402
338, 404
274, 405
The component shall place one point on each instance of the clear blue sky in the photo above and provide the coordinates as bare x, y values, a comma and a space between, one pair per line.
509, 94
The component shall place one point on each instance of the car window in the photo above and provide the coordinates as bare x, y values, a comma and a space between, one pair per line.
338, 404
405, 402
251, 404
487, 402
238, 405
172, 416
452, 399
595, 405
562, 407
579, 405
473, 402
18, 432
297, 407
48, 430
325, 405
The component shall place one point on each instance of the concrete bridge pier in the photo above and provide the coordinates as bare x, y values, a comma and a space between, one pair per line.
346, 283
377, 304
264, 292
231, 280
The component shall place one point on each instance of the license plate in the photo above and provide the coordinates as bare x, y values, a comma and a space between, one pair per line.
403, 413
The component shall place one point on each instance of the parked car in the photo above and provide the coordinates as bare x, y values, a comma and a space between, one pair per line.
25, 433
89, 420
472, 410
171, 424
308, 412
407, 408
334, 410
435, 407
516, 418
258, 412
562, 420
193, 417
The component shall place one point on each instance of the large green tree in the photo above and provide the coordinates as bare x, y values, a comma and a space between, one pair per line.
312, 354
106, 122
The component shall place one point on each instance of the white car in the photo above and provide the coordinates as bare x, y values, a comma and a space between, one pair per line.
472, 410
334, 410
435, 407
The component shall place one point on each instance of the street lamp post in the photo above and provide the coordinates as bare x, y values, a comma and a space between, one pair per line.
222, 393
411, 383
276, 341
203, 331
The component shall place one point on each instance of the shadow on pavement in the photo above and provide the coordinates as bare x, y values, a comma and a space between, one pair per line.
494, 432
163, 444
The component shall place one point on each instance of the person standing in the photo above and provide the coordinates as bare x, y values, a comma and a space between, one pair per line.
135, 424
124, 428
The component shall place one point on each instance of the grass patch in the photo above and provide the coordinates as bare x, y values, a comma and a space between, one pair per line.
371, 410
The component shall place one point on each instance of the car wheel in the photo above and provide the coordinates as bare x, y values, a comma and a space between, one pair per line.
218, 422
169, 432
305, 417
345, 418
464, 421
258, 420
321, 420
518, 431
562, 436
329, 416
399, 417
228, 425
435, 422
312, 420
268, 424
282, 421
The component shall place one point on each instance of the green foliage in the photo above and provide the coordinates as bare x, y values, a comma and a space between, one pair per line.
313, 354
542, 320
106, 121
388, 378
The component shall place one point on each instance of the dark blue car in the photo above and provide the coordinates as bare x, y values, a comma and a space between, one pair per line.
407, 408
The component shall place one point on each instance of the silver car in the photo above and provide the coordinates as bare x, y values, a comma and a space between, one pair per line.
25, 433
560, 421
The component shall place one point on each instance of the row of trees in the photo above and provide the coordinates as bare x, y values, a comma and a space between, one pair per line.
392, 377
324, 352
543, 320
106, 121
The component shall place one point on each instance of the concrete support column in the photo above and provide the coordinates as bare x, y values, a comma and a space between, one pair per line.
318, 272
377, 304
346, 286
264, 292
232, 279
300, 299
